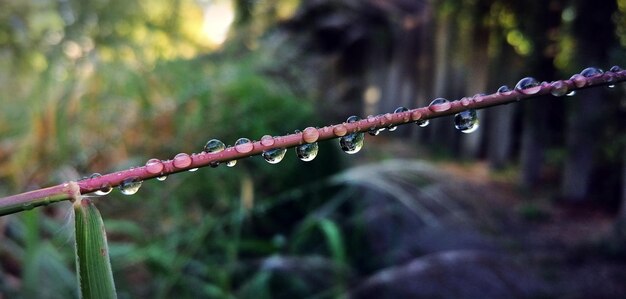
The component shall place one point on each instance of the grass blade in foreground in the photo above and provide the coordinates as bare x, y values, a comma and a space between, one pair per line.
92, 252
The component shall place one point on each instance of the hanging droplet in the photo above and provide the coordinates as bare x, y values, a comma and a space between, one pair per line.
423, 123
181, 160
310, 135
193, 169
611, 86
104, 189
439, 105
591, 72
231, 163
243, 145
214, 164
130, 186
571, 93
154, 166
267, 140
398, 110
214, 146
352, 143
528, 85
504, 89
274, 156
307, 152
615, 69
374, 131
161, 178
558, 88
466, 121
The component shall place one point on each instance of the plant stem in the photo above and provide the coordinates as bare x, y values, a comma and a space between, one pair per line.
28, 200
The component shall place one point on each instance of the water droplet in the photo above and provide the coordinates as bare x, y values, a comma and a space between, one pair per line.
423, 123
130, 186
416, 115
181, 160
466, 121
591, 72
615, 69
374, 131
352, 143
161, 178
528, 85
310, 135
214, 146
307, 152
579, 80
340, 130
611, 86
558, 88
371, 118
504, 90
267, 140
104, 189
571, 93
478, 97
27, 206
231, 163
439, 105
154, 166
465, 101
214, 164
274, 156
193, 169
398, 110
243, 145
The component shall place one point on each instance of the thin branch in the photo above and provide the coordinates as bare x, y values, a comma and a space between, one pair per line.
28, 200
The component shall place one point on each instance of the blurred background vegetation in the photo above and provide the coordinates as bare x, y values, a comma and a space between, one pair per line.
102, 85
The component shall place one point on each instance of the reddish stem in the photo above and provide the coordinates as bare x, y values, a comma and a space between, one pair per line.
15, 203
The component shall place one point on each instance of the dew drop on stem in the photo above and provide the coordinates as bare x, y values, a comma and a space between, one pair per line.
352, 143
193, 169
558, 88
130, 186
154, 166
231, 163
161, 178
439, 105
504, 90
466, 121
243, 145
579, 80
214, 146
615, 69
307, 152
181, 160
528, 85
267, 140
104, 188
398, 110
274, 156
310, 135
423, 123
591, 72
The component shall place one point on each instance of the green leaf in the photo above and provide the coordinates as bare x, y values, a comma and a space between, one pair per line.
92, 253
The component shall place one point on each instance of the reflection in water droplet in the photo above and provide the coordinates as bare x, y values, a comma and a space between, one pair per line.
307, 152
439, 105
243, 145
214, 146
528, 85
193, 169
423, 123
571, 93
398, 110
591, 72
231, 163
558, 88
611, 86
274, 156
504, 89
352, 143
214, 164
181, 160
154, 166
615, 69
310, 135
466, 121
161, 178
130, 186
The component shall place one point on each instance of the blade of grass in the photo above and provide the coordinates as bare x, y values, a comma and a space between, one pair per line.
92, 252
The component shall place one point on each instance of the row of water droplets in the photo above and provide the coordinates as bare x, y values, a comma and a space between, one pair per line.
466, 121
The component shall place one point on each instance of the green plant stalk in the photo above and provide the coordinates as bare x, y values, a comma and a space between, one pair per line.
92, 252
28, 200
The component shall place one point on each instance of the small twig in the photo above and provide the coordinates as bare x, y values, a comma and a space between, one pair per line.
28, 200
